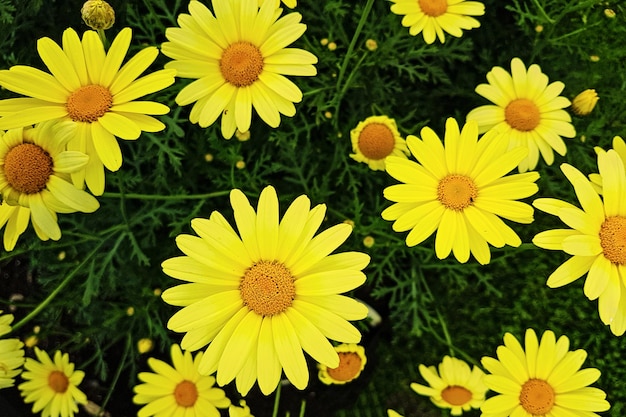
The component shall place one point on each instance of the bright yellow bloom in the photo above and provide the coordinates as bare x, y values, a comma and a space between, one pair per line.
11, 353
289, 3
91, 89
352, 361
459, 189
434, 17
52, 385
376, 138
544, 379
35, 182
261, 296
456, 386
238, 57
584, 102
527, 110
178, 390
595, 239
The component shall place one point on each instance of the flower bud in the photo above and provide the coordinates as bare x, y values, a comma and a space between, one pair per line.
98, 14
584, 102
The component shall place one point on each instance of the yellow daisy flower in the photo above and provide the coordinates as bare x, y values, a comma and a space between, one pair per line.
178, 390
544, 379
261, 296
35, 182
527, 110
456, 386
93, 90
52, 385
434, 17
595, 239
238, 57
374, 139
11, 353
289, 3
460, 190
352, 361
243, 411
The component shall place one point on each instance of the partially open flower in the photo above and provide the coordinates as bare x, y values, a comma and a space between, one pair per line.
352, 361
98, 14
584, 102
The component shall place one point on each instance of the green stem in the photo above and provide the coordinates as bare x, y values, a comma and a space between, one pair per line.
276, 401
302, 408
134, 196
57, 290
118, 372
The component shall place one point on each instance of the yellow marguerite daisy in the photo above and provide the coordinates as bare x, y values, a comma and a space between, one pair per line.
434, 17
238, 57
289, 3
92, 89
35, 182
243, 411
595, 239
527, 110
455, 386
352, 361
376, 138
460, 190
261, 296
11, 353
544, 379
178, 390
52, 385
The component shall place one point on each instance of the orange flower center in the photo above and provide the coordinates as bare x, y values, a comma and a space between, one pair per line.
241, 64
186, 393
348, 369
522, 114
58, 382
267, 288
456, 192
456, 395
537, 397
433, 8
27, 168
376, 141
613, 239
89, 103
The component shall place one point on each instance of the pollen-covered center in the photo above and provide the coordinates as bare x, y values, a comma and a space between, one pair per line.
456, 395
267, 288
456, 191
433, 8
58, 382
522, 114
186, 393
613, 239
348, 369
27, 168
241, 64
376, 141
537, 397
89, 103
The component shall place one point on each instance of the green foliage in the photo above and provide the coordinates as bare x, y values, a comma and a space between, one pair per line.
106, 268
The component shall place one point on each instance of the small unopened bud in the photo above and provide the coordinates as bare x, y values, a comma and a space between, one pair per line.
240, 165
371, 44
594, 58
324, 41
610, 13
332, 46
242, 136
98, 14
584, 102
368, 241
144, 345
539, 28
